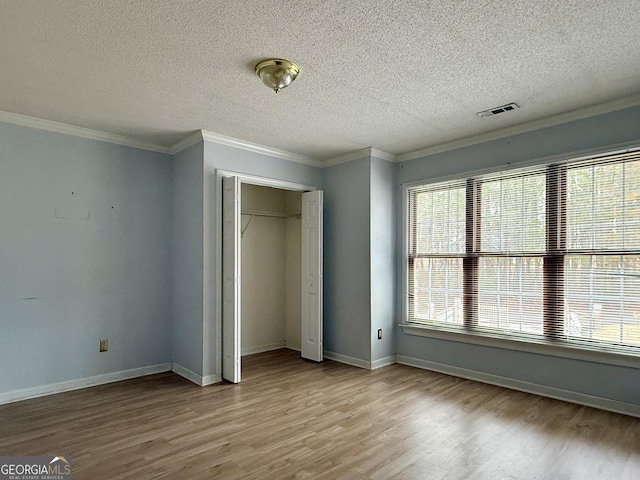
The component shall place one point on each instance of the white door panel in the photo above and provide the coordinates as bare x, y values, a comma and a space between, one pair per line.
311, 341
231, 279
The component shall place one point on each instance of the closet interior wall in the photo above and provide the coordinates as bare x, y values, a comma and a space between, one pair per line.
270, 269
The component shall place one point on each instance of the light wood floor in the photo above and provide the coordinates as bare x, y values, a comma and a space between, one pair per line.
294, 419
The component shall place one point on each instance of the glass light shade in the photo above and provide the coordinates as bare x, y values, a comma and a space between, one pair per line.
277, 73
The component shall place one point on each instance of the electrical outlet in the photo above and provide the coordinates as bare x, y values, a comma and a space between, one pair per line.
379, 334
104, 344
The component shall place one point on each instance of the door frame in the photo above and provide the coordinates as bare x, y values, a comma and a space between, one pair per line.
252, 180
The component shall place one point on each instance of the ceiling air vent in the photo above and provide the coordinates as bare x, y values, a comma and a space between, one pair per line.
497, 110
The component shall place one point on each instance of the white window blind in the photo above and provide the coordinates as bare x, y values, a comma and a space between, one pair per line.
602, 266
549, 252
437, 245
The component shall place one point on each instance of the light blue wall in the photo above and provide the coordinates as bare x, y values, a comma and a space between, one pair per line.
187, 258
606, 381
85, 248
227, 158
73, 269
347, 274
382, 258
590, 378
590, 133
359, 242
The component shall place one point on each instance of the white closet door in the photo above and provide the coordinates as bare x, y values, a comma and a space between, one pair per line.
231, 279
311, 341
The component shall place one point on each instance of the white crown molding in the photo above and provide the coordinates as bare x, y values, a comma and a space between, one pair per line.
567, 117
254, 147
347, 157
191, 139
204, 135
186, 142
389, 157
362, 153
65, 129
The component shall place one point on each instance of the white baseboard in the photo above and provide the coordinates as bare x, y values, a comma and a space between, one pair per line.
186, 373
262, 348
528, 387
79, 383
292, 345
383, 362
194, 377
356, 362
210, 380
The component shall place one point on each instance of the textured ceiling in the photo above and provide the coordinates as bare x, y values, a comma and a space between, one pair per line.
399, 76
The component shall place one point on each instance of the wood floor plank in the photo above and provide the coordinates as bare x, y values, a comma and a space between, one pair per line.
293, 419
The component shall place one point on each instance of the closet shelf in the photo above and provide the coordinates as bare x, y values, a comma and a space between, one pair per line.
258, 213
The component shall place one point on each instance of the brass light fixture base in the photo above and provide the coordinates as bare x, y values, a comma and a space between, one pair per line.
277, 73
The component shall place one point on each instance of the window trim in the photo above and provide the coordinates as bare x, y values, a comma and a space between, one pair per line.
542, 345
539, 346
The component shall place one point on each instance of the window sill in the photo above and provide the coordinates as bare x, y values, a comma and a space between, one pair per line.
529, 345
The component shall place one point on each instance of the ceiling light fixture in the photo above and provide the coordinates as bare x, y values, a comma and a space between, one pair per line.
277, 73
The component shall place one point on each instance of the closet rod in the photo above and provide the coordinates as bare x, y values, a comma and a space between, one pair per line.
258, 213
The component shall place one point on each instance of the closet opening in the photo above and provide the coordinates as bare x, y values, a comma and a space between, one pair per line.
270, 276
270, 268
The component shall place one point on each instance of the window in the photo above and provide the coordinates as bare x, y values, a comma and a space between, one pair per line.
542, 254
